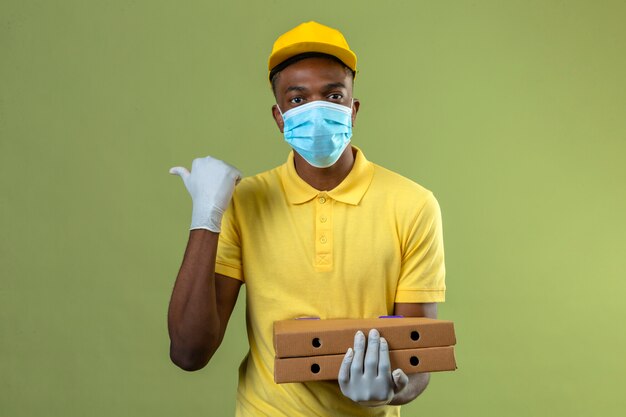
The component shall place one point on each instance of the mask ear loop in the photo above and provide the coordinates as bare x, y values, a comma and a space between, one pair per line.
282, 116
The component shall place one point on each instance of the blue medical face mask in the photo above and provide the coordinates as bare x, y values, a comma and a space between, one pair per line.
319, 131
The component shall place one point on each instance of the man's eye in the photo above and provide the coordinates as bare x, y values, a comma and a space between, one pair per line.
335, 96
296, 100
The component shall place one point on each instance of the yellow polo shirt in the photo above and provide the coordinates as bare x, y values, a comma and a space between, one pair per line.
351, 252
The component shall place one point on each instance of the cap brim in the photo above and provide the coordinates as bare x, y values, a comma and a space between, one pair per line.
346, 56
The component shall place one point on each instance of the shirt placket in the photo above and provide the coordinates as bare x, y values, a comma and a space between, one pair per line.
323, 232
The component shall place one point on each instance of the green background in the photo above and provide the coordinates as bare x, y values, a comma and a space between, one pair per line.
513, 113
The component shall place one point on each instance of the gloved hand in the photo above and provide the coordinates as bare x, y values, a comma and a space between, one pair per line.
370, 382
211, 184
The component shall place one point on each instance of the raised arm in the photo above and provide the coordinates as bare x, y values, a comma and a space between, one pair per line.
202, 301
201, 304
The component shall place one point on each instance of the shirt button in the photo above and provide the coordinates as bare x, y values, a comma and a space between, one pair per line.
323, 219
322, 200
323, 239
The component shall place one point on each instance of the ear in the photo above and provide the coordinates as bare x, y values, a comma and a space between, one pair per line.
278, 118
355, 109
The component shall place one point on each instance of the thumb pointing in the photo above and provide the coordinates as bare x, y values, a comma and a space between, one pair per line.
180, 171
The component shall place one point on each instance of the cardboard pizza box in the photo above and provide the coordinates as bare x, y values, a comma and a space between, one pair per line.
295, 338
318, 368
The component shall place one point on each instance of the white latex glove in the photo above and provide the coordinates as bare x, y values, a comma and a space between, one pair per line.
365, 377
211, 184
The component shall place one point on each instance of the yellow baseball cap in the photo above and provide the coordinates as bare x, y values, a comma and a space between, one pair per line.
311, 37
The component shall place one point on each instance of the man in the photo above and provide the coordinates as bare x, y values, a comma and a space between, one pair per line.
328, 234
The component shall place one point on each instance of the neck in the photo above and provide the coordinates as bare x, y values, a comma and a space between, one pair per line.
325, 179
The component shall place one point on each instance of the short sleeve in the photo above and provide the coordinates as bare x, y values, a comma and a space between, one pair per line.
228, 260
422, 272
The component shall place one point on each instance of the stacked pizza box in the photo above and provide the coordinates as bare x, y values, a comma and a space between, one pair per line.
312, 350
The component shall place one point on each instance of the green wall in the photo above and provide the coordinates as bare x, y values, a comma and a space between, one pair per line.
513, 113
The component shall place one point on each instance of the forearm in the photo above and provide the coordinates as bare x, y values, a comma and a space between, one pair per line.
193, 320
417, 385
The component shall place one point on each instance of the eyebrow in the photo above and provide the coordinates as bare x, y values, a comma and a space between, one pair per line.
295, 88
334, 85
329, 86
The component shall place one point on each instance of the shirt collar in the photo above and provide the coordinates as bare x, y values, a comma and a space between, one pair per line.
350, 191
